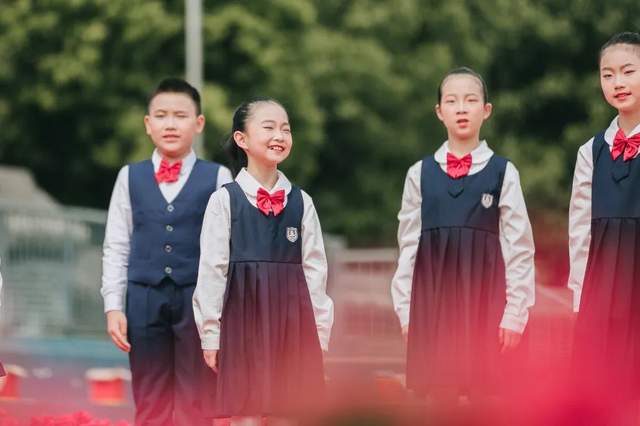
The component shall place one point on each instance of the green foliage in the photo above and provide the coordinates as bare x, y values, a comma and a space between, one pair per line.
359, 79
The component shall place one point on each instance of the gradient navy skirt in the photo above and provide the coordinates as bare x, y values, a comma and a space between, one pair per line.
270, 361
607, 336
457, 302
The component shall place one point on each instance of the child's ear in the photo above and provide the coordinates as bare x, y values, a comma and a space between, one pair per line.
438, 112
239, 139
200, 121
488, 108
147, 126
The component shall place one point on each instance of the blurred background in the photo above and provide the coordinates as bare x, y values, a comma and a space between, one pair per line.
359, 79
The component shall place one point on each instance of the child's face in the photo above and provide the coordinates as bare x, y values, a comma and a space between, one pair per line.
267, 136
620, 77
462, 108
172, 124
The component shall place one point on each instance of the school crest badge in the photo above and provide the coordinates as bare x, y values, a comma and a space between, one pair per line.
487, 200
292, 234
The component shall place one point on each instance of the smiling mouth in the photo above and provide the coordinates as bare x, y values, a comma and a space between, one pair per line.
621, 95
276, 148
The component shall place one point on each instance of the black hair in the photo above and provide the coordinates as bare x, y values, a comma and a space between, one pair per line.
177, 85
467, 71
237, 156
626, 37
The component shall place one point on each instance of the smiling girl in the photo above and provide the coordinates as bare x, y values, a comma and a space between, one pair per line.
604, 232
260, 303
465, 276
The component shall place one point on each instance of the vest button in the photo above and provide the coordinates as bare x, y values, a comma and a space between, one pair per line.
169, 228
170, 208
168, 248
168, 270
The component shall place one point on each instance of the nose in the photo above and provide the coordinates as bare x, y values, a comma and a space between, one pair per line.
171, 122
278, 135
618, 83
461, 107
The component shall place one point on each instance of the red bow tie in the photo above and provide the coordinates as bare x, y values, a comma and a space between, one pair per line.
270, 202
168, 173
458, 167
628, 146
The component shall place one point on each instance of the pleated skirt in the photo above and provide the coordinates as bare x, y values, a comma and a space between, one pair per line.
606, 353
457, 302
270, 360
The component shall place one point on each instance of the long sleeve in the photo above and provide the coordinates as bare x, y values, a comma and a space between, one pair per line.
314, 265
409, 229
516, 241
116, 247
0, 289
580, 221
208, 296
224, 177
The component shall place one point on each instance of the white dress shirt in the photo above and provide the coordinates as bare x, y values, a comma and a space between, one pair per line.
214, 261
516, 240
117, 239
580, 211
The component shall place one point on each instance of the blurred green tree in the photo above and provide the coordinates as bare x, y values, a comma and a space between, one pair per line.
359, 79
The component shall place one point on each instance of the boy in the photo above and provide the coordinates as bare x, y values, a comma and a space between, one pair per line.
151, 254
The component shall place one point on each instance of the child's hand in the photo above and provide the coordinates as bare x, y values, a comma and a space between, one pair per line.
405, 333
211, 358
508, 339
117, 329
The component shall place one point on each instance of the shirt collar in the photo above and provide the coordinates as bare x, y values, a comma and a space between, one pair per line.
481, 154
187, 162
250, 185
611, 131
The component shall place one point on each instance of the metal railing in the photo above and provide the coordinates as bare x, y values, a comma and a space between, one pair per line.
51, 265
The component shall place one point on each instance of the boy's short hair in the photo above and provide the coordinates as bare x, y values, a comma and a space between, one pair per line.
626, 37
177, 85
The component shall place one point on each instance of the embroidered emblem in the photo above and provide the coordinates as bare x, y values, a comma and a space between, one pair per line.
487, 200
292, 234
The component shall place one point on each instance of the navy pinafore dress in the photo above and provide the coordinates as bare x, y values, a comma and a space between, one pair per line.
607, 334
270, 360
459, 287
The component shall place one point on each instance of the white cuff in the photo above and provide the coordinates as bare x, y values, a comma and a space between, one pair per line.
514, 323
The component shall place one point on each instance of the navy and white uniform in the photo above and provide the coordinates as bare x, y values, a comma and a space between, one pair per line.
262, 301
465, 269
151, 255
604, 237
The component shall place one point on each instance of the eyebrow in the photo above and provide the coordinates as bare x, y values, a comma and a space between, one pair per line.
273, 122
465, 94
624, 66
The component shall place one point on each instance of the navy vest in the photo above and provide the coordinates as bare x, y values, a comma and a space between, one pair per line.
165, 242
615, 183
470, 201
256, 237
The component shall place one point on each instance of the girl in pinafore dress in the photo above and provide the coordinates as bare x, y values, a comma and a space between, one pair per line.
260, 303
465, 276
604, 235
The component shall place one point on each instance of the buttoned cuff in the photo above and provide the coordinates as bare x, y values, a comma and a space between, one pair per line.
113, 302
577, 294
514, 323
403, 316
210, 343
